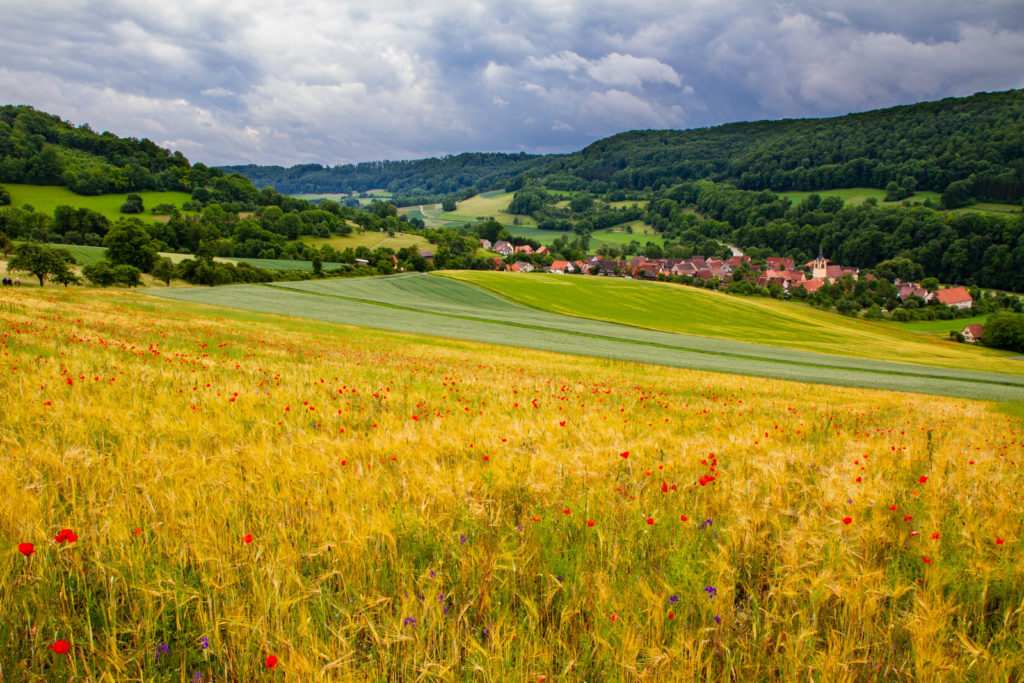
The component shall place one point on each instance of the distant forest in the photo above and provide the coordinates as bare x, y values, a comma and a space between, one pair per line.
976, 141
430, 177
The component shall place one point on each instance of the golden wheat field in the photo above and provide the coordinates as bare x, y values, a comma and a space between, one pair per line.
195, 494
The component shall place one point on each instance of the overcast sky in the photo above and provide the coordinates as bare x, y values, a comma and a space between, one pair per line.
298, 81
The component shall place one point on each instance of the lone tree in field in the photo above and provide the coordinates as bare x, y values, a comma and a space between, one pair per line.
129, 243
43, 261
163, 270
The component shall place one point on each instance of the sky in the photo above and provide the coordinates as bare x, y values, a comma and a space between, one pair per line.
332, 82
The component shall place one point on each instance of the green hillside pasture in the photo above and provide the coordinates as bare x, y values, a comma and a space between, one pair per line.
940, 326
371, 240
333, 196
339, 301
689, 310
855, 195
45, 198
627, 202
858, 195
487, 204
543, 236
642, 234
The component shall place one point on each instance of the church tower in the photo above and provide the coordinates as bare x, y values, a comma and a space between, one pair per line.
819, 266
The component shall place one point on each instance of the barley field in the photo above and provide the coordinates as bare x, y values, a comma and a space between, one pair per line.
191, 493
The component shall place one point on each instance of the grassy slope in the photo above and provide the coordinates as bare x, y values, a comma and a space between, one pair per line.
371, 240
940, 326
690, 310
46, 198
857, 195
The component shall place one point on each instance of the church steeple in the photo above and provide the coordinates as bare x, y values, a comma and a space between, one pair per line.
820, 265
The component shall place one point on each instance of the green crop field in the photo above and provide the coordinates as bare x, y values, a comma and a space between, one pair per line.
429, 304
689, 310
45, 198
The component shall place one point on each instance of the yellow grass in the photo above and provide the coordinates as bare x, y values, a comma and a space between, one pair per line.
371, 240
391, 482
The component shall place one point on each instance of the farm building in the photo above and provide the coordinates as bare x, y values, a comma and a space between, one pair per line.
972, 333
955, 297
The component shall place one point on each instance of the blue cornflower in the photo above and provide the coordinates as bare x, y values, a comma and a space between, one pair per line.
711, 591
462, 539
204, 643
673, 598
408, 621
718, 619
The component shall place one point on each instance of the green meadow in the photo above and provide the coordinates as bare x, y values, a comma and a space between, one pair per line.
45, 198
858, 195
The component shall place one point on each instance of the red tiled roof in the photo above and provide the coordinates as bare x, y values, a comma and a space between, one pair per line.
953, 295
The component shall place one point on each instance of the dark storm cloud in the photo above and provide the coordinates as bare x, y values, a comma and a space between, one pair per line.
286, 82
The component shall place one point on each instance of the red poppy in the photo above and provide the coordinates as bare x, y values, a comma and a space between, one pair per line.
271, 662
26, 549
907, 518
847, 520
923, 479
1000, 541
66, 535
671, 614
61, 647
591, 522
650, 520
247, 538
624, 454
137, 532
927, 560
535, 518
566, 511
892, 507
684, 518
935, 536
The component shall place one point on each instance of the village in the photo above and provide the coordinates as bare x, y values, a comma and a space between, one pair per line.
778, 272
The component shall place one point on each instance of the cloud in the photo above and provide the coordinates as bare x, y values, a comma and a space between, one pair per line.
270, 81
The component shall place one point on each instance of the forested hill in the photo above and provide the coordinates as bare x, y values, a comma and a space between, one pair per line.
42, 149
936, 143
976, 140
447, 175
